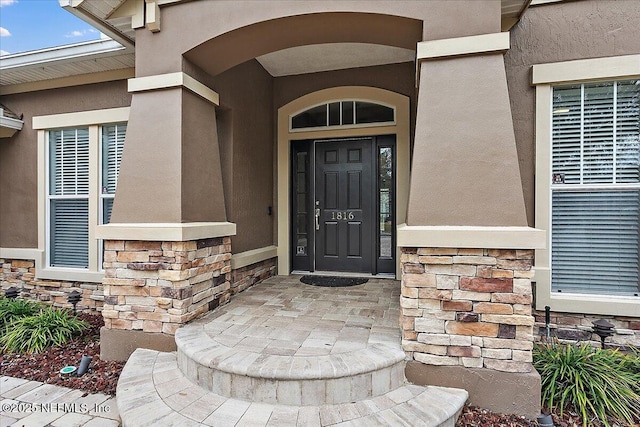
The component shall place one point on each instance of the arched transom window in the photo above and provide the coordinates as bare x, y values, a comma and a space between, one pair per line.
343, 113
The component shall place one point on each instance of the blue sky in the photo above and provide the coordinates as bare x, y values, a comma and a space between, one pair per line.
36, 24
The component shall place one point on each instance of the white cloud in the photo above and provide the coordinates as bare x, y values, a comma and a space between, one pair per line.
79, 33
4, 32
4, 3
4, 52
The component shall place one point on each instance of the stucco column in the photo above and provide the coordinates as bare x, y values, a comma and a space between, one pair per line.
466, 247
170, 171
465, 164
168, 247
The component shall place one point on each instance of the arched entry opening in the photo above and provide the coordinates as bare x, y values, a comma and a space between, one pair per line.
333, 206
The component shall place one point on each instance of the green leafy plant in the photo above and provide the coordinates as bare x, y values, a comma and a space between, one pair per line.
47, 328
13, 309
592, 381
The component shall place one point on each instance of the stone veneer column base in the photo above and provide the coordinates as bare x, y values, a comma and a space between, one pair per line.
504, 392
466, 317
151, 288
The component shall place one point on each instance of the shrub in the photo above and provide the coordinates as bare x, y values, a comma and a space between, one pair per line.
13, 309
594, 382
34, 333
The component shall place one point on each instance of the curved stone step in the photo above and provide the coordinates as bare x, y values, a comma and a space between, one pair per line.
291, 380
152, 391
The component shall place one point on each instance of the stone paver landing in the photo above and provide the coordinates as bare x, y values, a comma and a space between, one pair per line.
286, 353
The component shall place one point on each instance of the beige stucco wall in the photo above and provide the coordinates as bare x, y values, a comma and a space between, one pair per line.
200, 23
202, 190
18, 154
561, 32
246, 93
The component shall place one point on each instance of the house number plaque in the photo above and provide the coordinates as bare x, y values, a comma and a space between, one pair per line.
334, 215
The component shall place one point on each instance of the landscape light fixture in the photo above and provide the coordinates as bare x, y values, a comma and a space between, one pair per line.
74, 298
11, 293
603, 329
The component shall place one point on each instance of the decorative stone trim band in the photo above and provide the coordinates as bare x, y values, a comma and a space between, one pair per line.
21, 272
171, 81
616, 67
471, 237
167, 232
56, 273
463, 46
244, 259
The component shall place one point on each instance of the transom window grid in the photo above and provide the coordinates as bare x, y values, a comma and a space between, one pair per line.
346, 113
596, 187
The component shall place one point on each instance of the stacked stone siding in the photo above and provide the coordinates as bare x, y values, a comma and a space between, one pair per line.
245, 277
469, 307
575, 327
22, 275
158, 286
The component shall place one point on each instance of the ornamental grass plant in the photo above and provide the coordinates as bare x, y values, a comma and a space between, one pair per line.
13, 309
32, 334
596, 383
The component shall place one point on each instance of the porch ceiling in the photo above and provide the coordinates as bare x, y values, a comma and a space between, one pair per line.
332, 56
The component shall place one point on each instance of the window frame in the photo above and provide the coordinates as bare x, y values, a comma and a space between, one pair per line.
94, 120
341, 126
544, 77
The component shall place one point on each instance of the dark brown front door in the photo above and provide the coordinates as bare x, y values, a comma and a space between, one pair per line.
344, 208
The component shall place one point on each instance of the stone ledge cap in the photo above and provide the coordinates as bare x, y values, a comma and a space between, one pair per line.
448, 236
166, 232
463, 46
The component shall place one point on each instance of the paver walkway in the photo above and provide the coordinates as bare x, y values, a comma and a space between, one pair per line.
283, 353
35, 404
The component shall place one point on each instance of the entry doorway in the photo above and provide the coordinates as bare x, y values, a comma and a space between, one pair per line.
343, 205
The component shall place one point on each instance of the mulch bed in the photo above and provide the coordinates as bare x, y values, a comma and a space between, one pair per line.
473, 416
45, 367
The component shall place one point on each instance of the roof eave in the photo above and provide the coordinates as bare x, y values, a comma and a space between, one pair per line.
75, 7
9, 126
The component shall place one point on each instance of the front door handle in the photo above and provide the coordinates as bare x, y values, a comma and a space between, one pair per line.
317, 218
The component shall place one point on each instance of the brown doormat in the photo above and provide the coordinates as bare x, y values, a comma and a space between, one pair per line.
332, 281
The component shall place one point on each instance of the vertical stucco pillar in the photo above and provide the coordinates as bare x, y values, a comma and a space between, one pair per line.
170, 171
167, 248
465, 161
466, 247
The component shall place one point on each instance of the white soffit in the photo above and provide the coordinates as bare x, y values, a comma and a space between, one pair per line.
64, 61
332, 56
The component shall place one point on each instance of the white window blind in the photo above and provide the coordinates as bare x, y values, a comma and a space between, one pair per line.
112, 145
596, 188
69, 197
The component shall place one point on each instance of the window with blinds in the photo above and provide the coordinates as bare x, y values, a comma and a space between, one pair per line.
112, 146
69, 198
72, 194
596, 188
